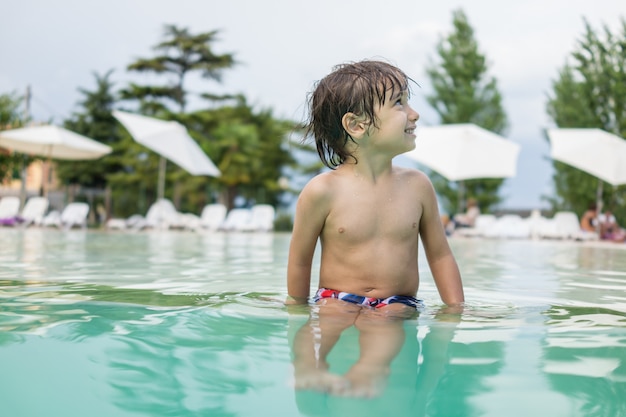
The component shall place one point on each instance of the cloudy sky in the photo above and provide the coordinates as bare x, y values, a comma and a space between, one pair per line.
283, 46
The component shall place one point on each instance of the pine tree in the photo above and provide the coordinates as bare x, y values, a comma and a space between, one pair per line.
464, 93
93, 120
179, 55
590, 92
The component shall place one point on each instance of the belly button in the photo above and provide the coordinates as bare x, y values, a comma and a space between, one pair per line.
414, 225
341, 230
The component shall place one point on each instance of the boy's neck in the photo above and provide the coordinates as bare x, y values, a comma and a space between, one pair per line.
368, 169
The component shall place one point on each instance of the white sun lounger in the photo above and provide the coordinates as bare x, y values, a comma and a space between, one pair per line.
261, 219
73, 215
212, 217
34, 211
236, 220
161, 215
509, 226
9, 207
565, 225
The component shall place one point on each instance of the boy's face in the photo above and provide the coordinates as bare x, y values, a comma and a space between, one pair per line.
396, 122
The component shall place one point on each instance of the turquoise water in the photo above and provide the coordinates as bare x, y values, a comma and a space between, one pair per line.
183, 324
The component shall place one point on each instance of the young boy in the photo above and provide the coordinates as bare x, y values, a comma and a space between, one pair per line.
368, 216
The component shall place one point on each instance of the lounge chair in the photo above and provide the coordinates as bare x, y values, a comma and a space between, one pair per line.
565, 225
161, 215
189, 221
73, 215
536, 223
33, 212
261, 219
236, 220
212, 217
9, 209
509, 226
122, 224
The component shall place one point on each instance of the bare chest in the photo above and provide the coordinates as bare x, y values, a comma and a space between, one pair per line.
361, 217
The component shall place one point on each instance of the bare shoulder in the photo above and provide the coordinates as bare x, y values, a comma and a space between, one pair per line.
320, 185
413, 176
319, 190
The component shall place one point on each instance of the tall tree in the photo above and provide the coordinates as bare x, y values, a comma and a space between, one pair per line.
179, 55
590, 92
94, 120
464, 93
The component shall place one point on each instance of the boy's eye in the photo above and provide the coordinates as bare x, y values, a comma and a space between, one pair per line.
401, 99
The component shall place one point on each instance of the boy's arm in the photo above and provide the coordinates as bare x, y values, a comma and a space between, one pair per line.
438, 253
308, 221
447, 279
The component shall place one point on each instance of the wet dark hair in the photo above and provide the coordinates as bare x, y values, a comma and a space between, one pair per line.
356, 87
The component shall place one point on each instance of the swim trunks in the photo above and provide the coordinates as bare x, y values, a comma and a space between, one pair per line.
368, 301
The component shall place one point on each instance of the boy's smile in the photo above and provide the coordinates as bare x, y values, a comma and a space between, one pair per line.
396, 119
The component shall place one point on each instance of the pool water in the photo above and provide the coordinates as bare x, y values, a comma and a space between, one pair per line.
183, 324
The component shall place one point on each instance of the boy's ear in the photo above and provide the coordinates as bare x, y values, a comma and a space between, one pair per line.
354, 125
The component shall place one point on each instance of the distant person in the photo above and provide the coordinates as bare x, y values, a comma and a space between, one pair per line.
368, 216
588, 221
609, 228
467, 219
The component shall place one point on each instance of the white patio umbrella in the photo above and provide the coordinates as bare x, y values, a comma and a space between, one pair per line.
171, 141
52, 142
465, 151
595, 151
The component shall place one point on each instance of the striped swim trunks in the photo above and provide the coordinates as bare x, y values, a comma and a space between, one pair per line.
368, 301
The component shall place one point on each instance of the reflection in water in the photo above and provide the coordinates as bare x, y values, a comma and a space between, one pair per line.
188, 324
584, 355
150, 360
432, 374
194, 366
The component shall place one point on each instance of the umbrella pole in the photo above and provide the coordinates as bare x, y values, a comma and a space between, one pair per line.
599, 203
23, 174
460, 195
599, 196
45, 176
161, 185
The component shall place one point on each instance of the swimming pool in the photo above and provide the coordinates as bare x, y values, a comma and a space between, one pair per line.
182, 324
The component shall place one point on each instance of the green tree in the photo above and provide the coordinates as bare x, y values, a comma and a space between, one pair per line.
179, 55
11, 118
590, 92
133, 186
93, 120
464, 93
249, 149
